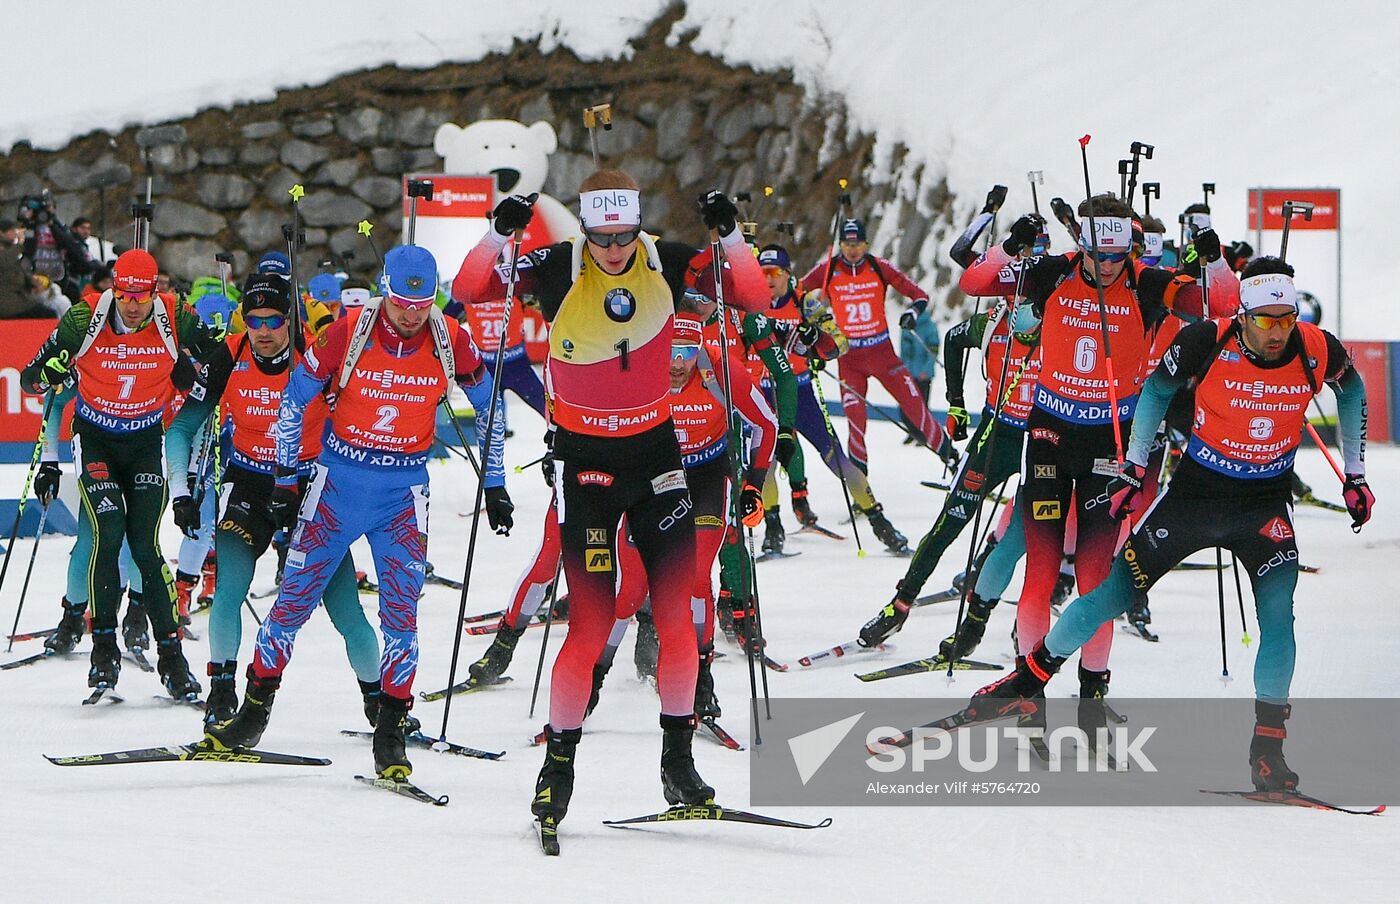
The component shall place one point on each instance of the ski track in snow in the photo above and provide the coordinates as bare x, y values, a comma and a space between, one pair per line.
313, 835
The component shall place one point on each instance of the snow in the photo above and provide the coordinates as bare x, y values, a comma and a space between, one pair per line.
1246, 94
186, 831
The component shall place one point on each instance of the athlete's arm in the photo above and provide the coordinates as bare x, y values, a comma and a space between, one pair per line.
961, 252
897, 280
760, 336
320, 363
483, 275
1182, 360
179, 442
1351, 406
753, 407
475, 379
53, 428
63, 343
961, 338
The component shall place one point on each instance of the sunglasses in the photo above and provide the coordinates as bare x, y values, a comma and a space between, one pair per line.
1108, 257
608, 239
774, 271
1268, 321
133, 296
685, 352
413, 304
270, 322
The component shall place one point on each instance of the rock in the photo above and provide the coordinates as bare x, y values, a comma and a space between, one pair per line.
224, 190
691, 168
173, 217
648, 111
535, 110
393, 162
655, 211
378, 191
761, 114
278, 183
646, 170
22, 186
625, 134
187, 259
785, 107
323, 208
108, 172
349, 239
66, 174
317, 127
733, 126
302, 155
673, 129
257, 154
72, 205
566, 171
742, 178
217, 157
255, 131
314, 237
417, 127
339, 173
365, 126
174, 158
260, 228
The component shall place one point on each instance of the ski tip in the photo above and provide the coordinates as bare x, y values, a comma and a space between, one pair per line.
823, 824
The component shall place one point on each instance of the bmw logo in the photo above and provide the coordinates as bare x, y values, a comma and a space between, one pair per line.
620, 305
568, 348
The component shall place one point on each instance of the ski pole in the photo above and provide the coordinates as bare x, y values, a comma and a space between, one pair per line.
417, 188
1103, 310
594, 116
1303, 208
365, 228
257, 618
296, 237
1239, 595
548, 623
1150, 190
462, 438
846, 387
1140, 152
1220, 593
24, 495
28, 572
840, 469
520, 469
480, 486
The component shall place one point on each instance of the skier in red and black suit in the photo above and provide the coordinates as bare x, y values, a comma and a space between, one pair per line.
611, 297
856, 283
1071, 446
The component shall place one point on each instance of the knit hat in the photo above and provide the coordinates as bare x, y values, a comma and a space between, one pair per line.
135, 272
852, 230
410, 275
275, 262
266, 290
774, 256
324, 287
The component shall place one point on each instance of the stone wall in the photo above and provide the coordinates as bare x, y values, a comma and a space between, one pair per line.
683, 123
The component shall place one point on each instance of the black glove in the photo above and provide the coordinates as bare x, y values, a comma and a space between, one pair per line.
1124, 491
547, 463
717, 211
1062, 211
1238, 254
1023, 233
808, 335
514, 213
498, 510
995, 198
1357, 495
46, 482
284, 504
186, 515
958, 422
1207, 245
911, 316
56, 369
785, 447
751, 506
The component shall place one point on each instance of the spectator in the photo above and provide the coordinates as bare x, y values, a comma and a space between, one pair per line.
99, 251
101, 282
918, 349
16, 283
52, 250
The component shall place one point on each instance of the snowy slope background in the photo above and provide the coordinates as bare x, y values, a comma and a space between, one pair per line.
1242, 94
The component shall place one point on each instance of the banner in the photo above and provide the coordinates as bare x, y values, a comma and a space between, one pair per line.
1314, 246
1327, 207
22, 410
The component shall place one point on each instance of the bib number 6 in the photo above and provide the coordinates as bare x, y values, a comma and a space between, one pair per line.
1086, 354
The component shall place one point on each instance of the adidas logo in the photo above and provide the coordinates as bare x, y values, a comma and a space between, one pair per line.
105, 506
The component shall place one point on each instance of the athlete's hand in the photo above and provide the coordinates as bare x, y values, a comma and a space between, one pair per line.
283, 506
958, 421
1357, 495
1023, 233
46, 482
499, 509
186, 512
55, 370
785, 447
1207, 245
995, 198
1124, 490
911, 316
751, 506
718, 212
514, 213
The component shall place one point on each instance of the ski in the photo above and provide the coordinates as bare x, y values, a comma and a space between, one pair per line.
934, 664
266, 594
714, 732
191, 700
103, 693
462, 687
404, 789
1295, 799
484, 628
1206, 566
820, 531
713, 812
942, 596
32, 635
494, 615
1310, 499
187, 753
548, 833
1139, 629
770, 556
418, 739
28, 660
138, 656
957, 720
850, 646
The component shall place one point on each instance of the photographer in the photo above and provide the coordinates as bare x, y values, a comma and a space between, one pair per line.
17, 284
52, 250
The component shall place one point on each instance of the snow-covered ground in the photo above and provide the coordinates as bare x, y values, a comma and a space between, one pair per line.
181, 832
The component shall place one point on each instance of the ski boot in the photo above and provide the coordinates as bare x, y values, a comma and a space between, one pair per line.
885, 531
373, 696
134, 633
800, 507
555, 785
106, 658
71, 628
390, 757
496, 659
1036, 719
246, 727
969, 632
679, 781
647, 648
1017, 691
210, 574
887, 621
724, 614
746, 631
1093, 687
184, 593
174, 669
222, 702
773, 534
963, 579
706, 703
1138, 613
600, 673
1064, 587
1267, 766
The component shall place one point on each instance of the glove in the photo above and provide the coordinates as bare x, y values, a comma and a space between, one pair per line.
911, 316
1123, 491
186, 515
547, 463
1062, 211
717, 211
958, 421
995, 198
816, 364
751, 506
1357, 495
55, 370
514, 213
785, 447
808, 335
498, 510
46, 482
1207, 245
1023, 233
284, 503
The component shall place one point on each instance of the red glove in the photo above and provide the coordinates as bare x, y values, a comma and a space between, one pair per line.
1124, 490
1359, 500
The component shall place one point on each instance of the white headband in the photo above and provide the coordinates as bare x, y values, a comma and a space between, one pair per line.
1266, 290
610, 207
354, 298
1114, 234
1151, 245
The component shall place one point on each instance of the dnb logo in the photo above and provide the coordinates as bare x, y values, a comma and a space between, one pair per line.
1261, 428
619, 304
1277, 529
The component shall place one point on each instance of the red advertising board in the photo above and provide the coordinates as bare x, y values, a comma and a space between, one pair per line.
1327, 207
453, 196
22, 410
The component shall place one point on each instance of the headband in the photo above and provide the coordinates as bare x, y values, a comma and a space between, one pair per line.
1267, 289
610, 207
1113, 233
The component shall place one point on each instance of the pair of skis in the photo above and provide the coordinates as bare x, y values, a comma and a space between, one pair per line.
548, 832
855, 646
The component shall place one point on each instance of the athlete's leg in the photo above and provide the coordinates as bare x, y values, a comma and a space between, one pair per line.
852, 370
398, 537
